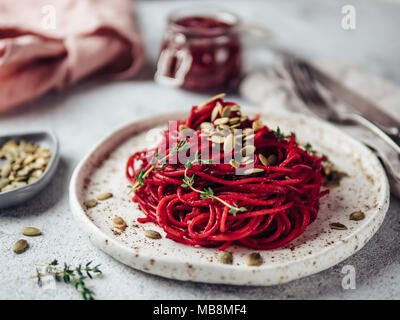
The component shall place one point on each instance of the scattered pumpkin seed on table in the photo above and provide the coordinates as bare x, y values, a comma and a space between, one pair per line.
20, 246
31, 231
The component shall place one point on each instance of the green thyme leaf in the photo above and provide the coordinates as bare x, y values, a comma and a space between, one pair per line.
71, 276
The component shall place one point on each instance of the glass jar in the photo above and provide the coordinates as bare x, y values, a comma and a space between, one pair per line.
201, 50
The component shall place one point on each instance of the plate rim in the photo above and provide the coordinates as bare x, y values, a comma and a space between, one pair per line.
108, 244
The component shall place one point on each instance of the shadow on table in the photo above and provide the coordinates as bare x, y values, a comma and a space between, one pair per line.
47, 198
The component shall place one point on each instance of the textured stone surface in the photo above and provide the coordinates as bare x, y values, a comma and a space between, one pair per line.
83, 114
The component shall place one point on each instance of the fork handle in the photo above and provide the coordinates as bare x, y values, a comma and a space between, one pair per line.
393, 140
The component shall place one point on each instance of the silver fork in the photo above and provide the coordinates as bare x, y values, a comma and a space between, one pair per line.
306, 88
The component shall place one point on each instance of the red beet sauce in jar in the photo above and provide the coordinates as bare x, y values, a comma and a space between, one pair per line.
201, 51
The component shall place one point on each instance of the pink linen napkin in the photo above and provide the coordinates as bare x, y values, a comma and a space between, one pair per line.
50, 44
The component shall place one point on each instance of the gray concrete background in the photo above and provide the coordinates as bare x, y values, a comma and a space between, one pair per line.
86, 112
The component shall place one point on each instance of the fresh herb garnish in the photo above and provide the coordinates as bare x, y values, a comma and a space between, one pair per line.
278, 133
158, 162
75, 277
208, 192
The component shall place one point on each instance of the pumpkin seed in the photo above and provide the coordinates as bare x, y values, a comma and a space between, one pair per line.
220, 121
36, 173
29, 159
119, 223
152, 234
32, 180
248, 150
4, 182
228, 144
91, 203
226, 257
226, 112
31, 231
28, 147
235, 125
104, 196
21, 178
16, 166
219, 96
257, 125
254, 259
233, 163
272, 159
337, 226
216, 111
253, 170
8, 188
234, 120
10, 145
263, 160
5, 169
45, 154
20, 246
24, 172
235, 108
39, 163
18, 184
357, 215
249, 137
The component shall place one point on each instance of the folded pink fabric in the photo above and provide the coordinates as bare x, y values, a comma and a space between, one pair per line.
50, 44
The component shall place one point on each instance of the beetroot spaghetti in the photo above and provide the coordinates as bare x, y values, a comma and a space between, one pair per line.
241, 183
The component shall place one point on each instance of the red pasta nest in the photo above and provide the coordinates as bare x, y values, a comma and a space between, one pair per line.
262, 210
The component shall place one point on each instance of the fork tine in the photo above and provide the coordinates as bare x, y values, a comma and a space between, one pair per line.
291, 67
304, 82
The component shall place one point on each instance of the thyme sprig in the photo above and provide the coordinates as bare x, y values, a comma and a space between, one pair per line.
208, 192
158, 162
75, 277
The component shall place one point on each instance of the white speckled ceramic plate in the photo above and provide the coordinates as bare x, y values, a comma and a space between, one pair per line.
318, 248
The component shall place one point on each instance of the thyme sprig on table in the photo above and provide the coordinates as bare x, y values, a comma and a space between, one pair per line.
206, 193
75, 277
